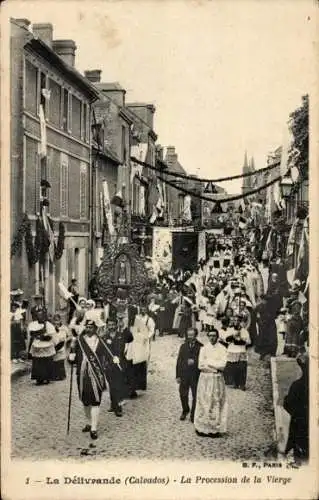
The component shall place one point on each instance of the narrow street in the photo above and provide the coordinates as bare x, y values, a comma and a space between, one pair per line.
150, 427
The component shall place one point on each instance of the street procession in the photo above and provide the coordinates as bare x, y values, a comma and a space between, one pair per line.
149, 305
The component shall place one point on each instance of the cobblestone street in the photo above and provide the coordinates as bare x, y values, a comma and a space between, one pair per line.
150, 427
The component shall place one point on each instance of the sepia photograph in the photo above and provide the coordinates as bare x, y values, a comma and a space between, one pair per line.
158, 290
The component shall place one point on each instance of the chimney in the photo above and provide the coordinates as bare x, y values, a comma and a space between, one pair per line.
44, 31
144, 111
171, 156
159, 151
24, 23
66, 50
93, 75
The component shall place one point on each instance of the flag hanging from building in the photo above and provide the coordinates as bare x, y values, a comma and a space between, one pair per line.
302, 270
138, 151
187, 213
156, 203
43, 133
291, 239
142, 201
49, 232
107, 207
278, 198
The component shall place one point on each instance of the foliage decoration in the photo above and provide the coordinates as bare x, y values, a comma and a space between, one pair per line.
59, 248
30, 250
299, 126
16, 245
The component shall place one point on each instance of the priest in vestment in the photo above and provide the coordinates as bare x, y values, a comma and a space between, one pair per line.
139, 351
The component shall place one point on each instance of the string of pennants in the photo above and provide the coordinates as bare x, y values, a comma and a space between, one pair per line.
206, 198
201, 179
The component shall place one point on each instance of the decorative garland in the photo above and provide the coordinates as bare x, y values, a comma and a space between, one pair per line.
59, 248
223, 200
36, 250
201, 179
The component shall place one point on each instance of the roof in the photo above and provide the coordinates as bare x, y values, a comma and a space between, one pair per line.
135, 118
41, 48
140, 105
106, 152
109, 86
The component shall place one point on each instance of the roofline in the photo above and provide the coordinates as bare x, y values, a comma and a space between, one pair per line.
151, 131
125, 115
45, 51
102, 152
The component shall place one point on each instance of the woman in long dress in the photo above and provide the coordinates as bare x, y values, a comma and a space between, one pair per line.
42, 352
211, 403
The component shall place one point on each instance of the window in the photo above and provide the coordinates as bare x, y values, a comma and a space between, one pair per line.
83, 191
76, 117
85, 123
64, 186
44, 96
88, 123
31, 87
55, 103
136, 196
66, 115
32, 182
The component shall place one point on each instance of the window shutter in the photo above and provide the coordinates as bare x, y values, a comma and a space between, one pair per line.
83, 190
64, 185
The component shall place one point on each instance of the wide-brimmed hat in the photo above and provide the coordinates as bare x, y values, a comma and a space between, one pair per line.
17, 292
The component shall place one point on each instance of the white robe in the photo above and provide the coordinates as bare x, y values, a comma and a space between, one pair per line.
211, 402
143, 329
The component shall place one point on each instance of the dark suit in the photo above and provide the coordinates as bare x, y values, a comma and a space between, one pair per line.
188, 374
118, 379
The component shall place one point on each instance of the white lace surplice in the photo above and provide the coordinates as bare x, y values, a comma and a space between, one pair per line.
211, 403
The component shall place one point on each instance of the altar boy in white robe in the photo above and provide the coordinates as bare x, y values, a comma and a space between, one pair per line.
139, 351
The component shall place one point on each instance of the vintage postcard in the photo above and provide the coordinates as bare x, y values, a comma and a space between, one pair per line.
159, 256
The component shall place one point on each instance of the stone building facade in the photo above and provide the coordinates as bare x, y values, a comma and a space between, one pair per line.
111, 129
43, 75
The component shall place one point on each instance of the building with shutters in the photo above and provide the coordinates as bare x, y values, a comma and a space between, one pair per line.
43, 75
110, 160
144, 183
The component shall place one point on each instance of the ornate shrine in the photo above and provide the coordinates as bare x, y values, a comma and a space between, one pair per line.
123, 274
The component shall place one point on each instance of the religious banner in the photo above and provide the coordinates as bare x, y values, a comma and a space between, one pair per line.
162, 249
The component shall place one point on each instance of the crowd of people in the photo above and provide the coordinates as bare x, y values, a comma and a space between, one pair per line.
230, 298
